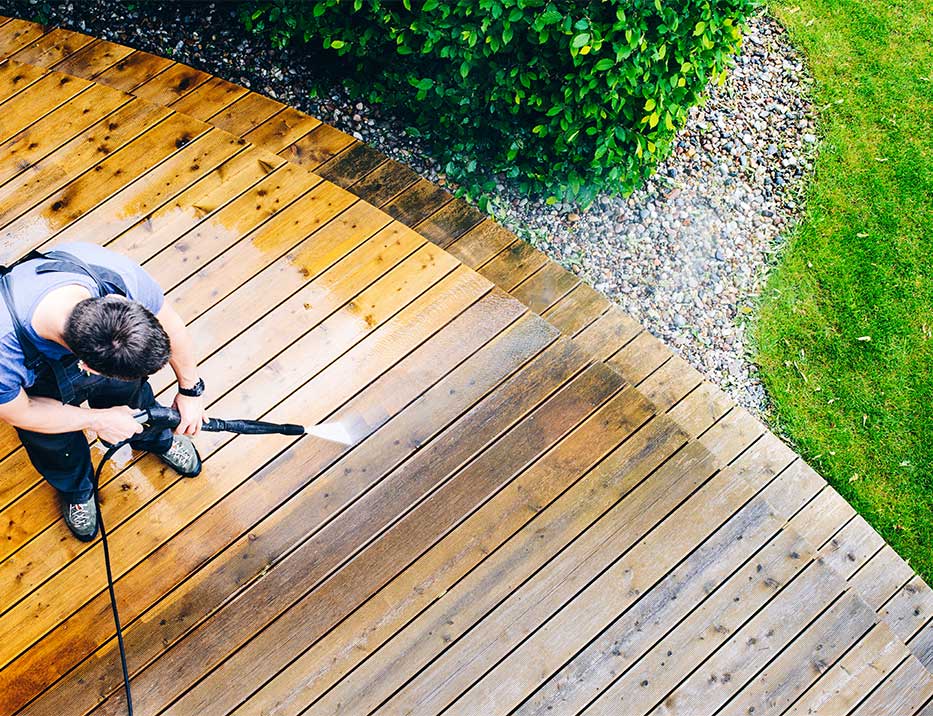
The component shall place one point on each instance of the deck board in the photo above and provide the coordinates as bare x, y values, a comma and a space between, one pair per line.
536, 477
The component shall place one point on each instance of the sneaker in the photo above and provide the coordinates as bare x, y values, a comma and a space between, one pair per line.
182, 456
81, 518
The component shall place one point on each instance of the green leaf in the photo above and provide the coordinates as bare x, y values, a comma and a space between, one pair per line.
464, 69
699, 29
550, 15
337, 44
650, 105
580, 40
429, 5
604, 64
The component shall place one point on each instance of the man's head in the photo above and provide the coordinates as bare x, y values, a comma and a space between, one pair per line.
117, 337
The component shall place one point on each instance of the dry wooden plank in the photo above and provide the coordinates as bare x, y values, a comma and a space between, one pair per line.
910, 609
281, 130
589, 612
905, 691
388, 180
794, 488
17, 34
701, 408
262, 657
513, 265
545, 287
317, 147
822, 518
170, 85
881, 578
851, 547
417, 202
92, 59
858, 672
131, 71
396, 431
600, 546
51, 48
753, 586
48, 92
922, 645
619, 648
349, 165
798, 667
108, 176
258, 396
747, 646
481, 243
599, 605
578, 309
201, 202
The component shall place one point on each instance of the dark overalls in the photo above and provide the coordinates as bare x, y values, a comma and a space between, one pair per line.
64, 459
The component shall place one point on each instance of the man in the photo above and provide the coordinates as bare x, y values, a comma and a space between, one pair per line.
83, 323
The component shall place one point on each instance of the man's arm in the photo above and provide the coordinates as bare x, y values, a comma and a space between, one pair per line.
185, 366
45, 415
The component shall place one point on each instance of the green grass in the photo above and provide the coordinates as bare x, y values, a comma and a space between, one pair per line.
861, 264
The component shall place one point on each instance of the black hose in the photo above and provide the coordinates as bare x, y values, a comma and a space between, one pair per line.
113, 597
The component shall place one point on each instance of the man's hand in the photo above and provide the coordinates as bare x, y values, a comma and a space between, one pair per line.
192, 414
114, 425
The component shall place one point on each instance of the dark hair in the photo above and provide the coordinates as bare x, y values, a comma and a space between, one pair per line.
117, 337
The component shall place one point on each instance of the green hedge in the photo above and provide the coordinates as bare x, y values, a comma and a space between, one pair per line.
567, 97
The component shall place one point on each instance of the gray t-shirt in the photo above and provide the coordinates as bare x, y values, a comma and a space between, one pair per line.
29, 288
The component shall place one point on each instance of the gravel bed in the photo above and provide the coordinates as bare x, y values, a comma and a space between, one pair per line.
686, 255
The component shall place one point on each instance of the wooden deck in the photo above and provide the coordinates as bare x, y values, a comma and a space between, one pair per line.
546, 512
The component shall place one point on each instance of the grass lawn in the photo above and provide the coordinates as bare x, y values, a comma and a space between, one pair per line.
845, 336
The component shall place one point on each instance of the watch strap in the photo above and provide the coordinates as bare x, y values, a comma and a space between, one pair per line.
194, 391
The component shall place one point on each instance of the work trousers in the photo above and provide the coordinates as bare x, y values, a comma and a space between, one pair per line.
64, 459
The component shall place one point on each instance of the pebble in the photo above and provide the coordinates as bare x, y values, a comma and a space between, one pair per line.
686, 254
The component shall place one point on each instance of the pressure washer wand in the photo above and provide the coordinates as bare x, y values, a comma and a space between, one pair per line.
160, 417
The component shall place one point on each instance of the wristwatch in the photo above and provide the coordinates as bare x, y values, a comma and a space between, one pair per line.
194, 391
